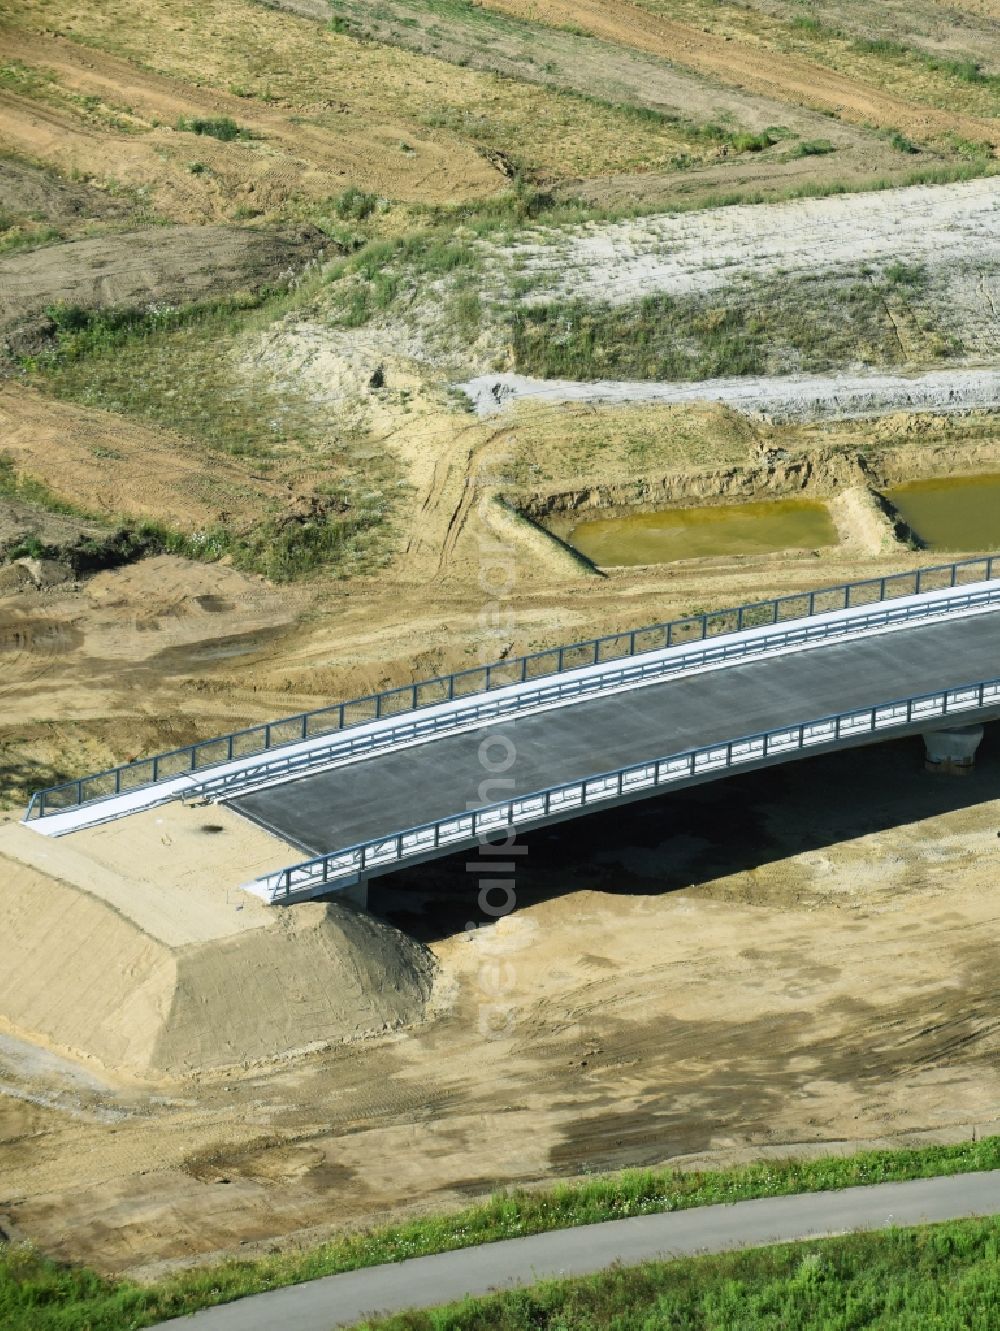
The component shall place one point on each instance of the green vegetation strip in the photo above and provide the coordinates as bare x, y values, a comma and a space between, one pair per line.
930, 1278
762, 327
37, 1294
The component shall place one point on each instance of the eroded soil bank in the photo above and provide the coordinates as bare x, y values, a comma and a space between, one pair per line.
855, 487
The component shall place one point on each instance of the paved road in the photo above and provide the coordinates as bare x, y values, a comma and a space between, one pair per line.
381, 795
424, 1282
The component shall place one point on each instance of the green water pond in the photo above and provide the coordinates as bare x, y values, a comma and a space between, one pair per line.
698, 533
955, 513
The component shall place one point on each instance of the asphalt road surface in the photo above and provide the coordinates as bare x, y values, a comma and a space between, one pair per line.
387, 793
425, 1282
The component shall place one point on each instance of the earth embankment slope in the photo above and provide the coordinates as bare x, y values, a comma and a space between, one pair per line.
91, 971
163, 266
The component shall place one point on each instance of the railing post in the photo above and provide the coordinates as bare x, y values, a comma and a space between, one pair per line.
305, 731
524, 669
267, 736
118, 780
704, 627
631, 641
414, 699
919, 571
561, 658
812, 603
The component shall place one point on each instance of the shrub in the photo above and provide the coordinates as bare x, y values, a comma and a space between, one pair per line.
222, 127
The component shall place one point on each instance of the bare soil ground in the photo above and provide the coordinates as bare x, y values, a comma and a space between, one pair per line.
616, 73
29, 191
113, 468
780, 964
48, 116
799, 961
167, 266
38, 206
735, 56
966, 29
22, 525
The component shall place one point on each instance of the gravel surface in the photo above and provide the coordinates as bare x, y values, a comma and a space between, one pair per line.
784, 397
702, 251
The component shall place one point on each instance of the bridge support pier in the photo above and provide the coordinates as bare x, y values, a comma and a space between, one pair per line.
953, 751
356, 895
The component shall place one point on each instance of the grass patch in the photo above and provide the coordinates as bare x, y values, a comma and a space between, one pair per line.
179, 369
24, 233
383, 272
499, 218
812, 148
806, 323
27, 490
943, 1277
37, 1294
901, 143
220, 127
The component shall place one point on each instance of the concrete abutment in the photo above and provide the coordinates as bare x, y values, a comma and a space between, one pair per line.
952, 752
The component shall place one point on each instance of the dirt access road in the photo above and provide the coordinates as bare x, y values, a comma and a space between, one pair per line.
786, 77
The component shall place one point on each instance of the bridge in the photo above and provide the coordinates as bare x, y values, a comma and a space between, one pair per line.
366, 787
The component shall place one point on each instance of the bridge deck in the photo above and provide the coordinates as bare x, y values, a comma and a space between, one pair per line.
378, 796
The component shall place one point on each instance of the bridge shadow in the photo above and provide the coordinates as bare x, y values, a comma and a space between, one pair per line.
691, 838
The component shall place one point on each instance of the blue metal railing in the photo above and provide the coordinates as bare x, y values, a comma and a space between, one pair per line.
342, 868
555, 690
259, 739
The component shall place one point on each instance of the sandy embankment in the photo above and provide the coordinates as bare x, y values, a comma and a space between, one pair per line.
152, 976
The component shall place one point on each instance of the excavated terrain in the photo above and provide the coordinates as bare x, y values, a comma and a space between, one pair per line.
247, 255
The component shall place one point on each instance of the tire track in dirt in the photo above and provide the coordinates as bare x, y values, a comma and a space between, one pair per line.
288, 155
471, 487
786, 77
